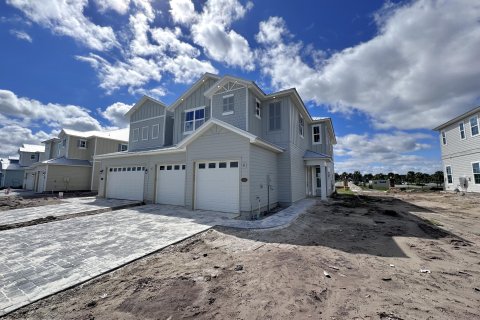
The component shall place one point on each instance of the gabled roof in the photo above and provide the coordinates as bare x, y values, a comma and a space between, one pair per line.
142, 101
193, 88
457, 119
225, 79
253, 138
31, 148
120, 135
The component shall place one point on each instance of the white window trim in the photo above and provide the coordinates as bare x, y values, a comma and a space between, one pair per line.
464, 131
442, 134
228, 95
133, 134
302, 134
478, 126
473, 173
446, 173
80, 143
145, 129
158, 131
319, 134
257, 108
194, 119
227, 113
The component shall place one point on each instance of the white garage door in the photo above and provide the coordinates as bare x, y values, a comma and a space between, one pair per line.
125, 182
218, 186
171, 184
29, 181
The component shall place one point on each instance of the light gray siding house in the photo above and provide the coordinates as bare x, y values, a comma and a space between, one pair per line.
460, 144
231, 148
11, 173
68, 161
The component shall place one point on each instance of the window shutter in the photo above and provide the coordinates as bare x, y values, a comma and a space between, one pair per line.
86, 144
278, 116
207, 113
78, 143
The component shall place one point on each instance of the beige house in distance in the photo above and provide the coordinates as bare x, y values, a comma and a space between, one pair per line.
67, 163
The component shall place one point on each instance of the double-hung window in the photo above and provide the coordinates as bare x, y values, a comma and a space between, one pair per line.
145, 133
135, 134
258, 111
316, 134
194, 119
275, 116
474, 125
64, 142
33, 157
155, 131
301, 126
228, 104
444, 138
462, 130
448, 169
476, 172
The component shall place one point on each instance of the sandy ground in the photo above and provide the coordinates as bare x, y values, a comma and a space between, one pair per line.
15, 202
371, 247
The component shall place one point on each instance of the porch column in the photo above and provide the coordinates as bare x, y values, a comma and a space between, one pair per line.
324, 181
313, 185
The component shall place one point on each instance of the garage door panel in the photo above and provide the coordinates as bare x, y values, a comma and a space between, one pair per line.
218, 186
171, 184
126, 182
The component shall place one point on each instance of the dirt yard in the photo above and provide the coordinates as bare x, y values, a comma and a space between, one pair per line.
376, 256
15, 202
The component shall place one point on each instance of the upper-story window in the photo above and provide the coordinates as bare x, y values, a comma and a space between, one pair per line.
155, 131
462, 130
449, 174
275, 116
258, 111
228, 104
301, 126
82, 143
316, 134
135, 134
474, 125
476, 172
444, 138
145, 133
194, 119
33, 157
122, 147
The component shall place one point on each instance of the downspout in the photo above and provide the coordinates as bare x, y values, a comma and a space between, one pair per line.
246, 97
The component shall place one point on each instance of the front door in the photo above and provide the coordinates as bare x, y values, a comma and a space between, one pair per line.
318, 182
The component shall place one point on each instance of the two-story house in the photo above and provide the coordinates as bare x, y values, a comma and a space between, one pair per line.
223, 145
68, 161
460, 144
11, 173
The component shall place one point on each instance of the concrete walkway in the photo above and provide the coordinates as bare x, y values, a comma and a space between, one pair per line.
41, 260
69, 206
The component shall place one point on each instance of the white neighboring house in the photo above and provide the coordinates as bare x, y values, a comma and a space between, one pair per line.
460, 144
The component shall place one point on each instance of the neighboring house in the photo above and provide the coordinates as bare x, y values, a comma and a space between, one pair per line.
223, 145
68, 160
460, 143
12, 173
29, 154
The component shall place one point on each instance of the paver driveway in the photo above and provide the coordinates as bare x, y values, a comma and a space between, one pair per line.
68, 207
40, 260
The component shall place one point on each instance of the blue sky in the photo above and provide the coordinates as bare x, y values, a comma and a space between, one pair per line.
386, 72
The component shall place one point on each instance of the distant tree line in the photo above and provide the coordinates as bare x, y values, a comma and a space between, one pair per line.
411, 177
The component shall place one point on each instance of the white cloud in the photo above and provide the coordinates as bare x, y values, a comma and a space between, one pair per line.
119, 6
67, 18
22, 35
29, 112
396, 152
115, 114
211, 29
13, 136
419, 71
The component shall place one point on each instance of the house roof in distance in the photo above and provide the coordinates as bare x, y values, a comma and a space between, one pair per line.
457, 119
32, 148
121, 134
